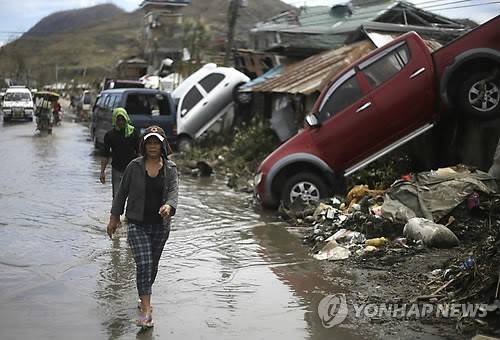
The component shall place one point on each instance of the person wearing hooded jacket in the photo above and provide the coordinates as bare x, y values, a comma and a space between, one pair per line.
121, 144
150, 187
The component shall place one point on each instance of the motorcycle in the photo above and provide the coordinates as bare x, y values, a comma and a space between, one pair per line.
58, 116
44, 116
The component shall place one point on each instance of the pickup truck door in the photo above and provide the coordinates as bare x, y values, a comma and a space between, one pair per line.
348, 123
400, 79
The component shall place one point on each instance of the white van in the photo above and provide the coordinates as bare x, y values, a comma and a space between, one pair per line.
17, 104
203, 98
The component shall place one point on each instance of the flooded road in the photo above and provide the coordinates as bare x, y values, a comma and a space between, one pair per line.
226, 273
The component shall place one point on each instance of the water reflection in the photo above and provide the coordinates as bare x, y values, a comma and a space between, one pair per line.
289, 261
116, 288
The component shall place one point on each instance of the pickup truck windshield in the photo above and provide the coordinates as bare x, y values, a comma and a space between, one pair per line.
17, 97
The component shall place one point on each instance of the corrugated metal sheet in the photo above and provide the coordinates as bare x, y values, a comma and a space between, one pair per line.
381, 38
317, 19
311, 74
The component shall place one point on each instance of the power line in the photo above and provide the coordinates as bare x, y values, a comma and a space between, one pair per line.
446, 4
420, 3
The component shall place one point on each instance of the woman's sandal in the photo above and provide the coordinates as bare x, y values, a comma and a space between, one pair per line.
145, 321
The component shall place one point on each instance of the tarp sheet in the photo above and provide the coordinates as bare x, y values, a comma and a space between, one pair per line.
434, 194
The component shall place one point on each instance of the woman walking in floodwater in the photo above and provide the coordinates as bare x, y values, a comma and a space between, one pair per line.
150, 183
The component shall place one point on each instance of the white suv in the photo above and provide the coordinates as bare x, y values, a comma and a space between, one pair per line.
203, 98
17, 104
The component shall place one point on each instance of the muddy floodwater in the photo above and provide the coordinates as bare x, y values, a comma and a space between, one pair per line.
227, 272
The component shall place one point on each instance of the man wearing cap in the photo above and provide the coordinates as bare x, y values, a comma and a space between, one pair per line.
121, 144
150, 187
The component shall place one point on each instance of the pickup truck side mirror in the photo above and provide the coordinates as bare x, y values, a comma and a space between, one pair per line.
312, 120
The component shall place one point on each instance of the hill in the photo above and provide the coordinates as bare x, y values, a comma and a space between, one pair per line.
73, 19
86, 44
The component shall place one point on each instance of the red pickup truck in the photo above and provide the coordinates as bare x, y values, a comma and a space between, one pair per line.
380, 102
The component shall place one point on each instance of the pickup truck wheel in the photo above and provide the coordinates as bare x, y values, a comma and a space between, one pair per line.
308, 186
479, 96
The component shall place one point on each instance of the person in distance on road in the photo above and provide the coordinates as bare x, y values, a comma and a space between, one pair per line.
121, 143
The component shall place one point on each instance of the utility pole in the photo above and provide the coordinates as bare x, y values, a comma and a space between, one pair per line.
232, 15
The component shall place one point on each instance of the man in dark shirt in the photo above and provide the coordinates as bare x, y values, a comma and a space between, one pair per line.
122, 145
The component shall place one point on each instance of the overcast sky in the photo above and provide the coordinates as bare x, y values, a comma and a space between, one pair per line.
19, 16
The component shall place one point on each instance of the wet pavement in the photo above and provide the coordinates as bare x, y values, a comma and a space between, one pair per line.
227, 271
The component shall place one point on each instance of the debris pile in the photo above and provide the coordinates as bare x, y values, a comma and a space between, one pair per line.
406, 231
406, 214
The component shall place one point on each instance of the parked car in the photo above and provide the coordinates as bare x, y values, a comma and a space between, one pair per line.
203, 98
145, 107
86, 105
377, 104
2, 94
17, 104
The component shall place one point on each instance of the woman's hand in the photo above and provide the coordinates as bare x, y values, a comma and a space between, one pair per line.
112, 225
165, 210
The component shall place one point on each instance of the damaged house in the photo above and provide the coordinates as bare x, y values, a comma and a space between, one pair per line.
304, 48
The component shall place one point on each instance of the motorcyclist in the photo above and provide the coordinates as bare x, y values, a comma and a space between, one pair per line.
56, 111
44, 112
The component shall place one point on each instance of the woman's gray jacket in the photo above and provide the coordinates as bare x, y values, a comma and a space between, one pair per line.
133, 186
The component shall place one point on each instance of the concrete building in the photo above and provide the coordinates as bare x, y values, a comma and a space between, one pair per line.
162, 30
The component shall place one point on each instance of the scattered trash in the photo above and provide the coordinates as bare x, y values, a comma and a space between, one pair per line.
436, 272
347, 236
408, 177
333, 251
368, 249
358, 192
432, 234
451, 219
467, 264
434, 194
377, 242
376, 210
355, 207
473, 203
400, 242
